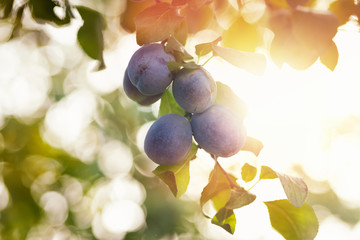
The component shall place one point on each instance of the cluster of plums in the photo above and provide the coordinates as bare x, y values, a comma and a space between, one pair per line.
216, 128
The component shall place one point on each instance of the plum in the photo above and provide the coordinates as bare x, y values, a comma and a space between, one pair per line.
148, 69
219, 131
169, 139
133, 93
194, 89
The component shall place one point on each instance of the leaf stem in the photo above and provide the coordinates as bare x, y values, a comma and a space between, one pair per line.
254, 184
232, 183
207, 60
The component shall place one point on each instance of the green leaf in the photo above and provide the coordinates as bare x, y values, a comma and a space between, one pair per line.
43, 11
291, 222
226, 96
7, 5
203, 49
295, 189
226, 219
156, 23
176, 66
176, 48
173, 66
169, 105
240, 197
90, 34
252, 145
252, 62
267, 173
248, 172
177, 176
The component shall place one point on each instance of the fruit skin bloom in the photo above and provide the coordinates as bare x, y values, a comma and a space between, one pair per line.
148, 69
169, 139
133, 93
219, 131
194, 89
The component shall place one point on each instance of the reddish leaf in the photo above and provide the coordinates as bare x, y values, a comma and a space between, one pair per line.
288, 49
277, 3
285, 47
218, 189
239, 198
196, 4
295, 3
343, 9
133, 8
315, 29
179, 2
197, 18
156, 23
181, 32
330, 58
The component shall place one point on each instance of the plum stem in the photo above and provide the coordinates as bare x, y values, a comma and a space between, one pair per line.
232, 183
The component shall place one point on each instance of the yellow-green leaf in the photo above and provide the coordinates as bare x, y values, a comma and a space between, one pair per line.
169, 105
248, 172
267, 173
203, 49
242, 36
226, 219
291, 222
177, 176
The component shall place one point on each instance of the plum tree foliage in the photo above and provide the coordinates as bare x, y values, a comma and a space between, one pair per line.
192, 104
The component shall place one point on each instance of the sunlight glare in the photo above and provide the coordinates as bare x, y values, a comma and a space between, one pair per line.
115, 158
122, 216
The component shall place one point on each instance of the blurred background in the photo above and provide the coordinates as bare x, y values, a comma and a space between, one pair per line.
72, 164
